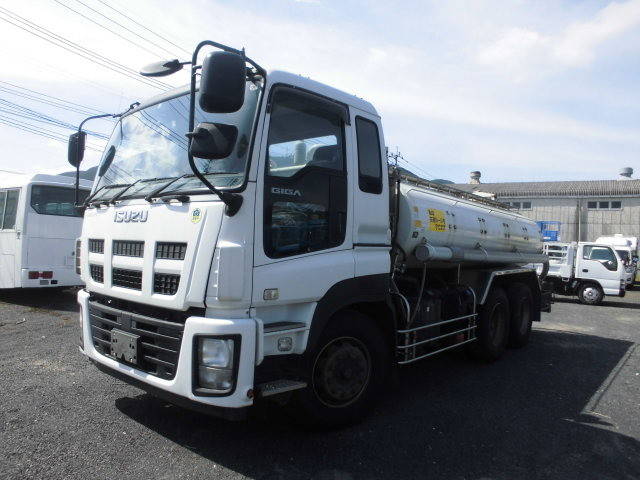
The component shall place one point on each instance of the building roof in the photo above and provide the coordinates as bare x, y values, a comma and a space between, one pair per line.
590, 188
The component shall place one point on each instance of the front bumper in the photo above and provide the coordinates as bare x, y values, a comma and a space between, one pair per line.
179, 389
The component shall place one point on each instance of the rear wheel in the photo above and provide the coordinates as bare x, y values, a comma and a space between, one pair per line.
521, 309
590, 294
492, 331
344, 374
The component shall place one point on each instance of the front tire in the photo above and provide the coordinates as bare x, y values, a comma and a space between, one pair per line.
345, 373
590, 294
492, 331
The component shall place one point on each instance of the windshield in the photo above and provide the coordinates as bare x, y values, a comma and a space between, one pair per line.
148, 149
624, 255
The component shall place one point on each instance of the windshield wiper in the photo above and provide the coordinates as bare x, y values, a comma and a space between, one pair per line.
174, 195
156, 192
119, 194
97, 203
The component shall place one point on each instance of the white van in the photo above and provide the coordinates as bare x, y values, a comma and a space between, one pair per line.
38, 228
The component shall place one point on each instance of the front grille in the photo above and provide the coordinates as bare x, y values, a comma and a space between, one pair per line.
96, 246
160, 331
127, 248
97, 273
171, 251
127, 278
166, 283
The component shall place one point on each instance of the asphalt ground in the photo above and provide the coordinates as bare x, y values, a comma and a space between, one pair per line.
567, 406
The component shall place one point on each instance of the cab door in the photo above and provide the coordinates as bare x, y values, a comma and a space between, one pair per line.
600, 263
303, 213
370, 187
9, 239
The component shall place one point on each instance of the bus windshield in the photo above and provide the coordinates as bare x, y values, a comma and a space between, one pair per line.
148, 149
59, 201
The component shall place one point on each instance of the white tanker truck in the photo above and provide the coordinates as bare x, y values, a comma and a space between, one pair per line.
270, 253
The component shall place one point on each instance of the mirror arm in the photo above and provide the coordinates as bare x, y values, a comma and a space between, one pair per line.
94, 117
232, 201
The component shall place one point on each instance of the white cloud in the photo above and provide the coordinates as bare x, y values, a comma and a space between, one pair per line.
421, 73
523, 52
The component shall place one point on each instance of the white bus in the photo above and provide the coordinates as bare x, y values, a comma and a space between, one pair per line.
38, 228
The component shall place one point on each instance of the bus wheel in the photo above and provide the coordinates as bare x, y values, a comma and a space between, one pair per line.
521, 307
492, 331
344, 374
590, 294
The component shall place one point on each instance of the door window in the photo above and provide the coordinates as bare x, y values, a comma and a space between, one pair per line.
369, 157
305, 181
603, 255
8, 208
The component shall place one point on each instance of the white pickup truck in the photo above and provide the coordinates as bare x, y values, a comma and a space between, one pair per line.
588, 270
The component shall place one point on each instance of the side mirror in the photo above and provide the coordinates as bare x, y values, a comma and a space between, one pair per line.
222, 82
75, 153
213, 141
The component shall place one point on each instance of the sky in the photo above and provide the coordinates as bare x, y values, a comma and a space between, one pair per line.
520, 90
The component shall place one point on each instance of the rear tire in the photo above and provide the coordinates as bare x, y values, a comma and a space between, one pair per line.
590, 294
345, 373
521, 307
492, 331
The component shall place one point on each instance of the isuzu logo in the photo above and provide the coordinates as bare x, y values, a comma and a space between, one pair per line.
128, 216
286, 191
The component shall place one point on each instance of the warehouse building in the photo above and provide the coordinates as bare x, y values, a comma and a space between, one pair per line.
586, 210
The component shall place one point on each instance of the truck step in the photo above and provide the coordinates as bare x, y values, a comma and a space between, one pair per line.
278, 386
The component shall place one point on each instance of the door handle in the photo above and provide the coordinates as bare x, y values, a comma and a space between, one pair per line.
585, 270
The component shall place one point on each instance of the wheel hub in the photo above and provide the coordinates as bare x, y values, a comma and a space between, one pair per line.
590, 293
341, 372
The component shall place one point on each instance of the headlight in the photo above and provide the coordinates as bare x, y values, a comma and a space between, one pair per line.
216, 365
216, 352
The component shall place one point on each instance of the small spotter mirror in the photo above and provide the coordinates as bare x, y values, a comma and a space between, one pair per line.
75, 152
161, 68
213, 141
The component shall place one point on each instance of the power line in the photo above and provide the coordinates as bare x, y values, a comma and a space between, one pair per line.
55, 101
105, 27
27, 113
34, 130
72, 47
147, 29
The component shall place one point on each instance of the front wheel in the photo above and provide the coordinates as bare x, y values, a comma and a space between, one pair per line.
345, 373
590, 294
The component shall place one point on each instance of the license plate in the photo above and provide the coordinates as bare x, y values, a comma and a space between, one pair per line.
124, 346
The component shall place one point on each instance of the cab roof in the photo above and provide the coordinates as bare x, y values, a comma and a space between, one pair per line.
279, 76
